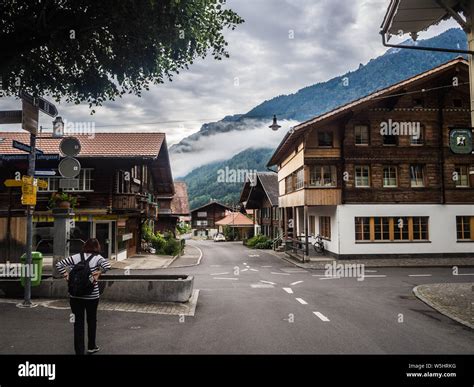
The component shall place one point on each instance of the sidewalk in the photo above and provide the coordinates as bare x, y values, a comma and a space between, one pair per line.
455, 301
320, 263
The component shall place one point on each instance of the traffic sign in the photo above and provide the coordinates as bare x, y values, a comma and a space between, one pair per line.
11, 117
69, 167
39, 102
70, 146
30, 117
28, 190
460, 141
13, 183
51, 172
24, 147
69, 183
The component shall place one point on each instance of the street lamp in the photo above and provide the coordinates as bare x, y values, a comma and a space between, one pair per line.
275, 125
58, 127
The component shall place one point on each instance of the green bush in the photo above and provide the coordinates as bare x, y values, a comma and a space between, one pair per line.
259, 242
172, 247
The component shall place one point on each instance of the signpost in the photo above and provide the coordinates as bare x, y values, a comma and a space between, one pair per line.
19, 145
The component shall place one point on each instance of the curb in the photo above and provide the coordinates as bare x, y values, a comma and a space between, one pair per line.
439, 309
196, 264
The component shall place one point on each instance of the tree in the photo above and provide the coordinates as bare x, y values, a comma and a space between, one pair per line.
93, 51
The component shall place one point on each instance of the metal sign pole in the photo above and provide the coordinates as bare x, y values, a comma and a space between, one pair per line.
29, 225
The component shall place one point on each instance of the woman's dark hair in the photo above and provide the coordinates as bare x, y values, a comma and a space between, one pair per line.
92, 246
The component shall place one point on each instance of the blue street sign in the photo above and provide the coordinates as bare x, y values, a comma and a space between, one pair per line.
50, 172
24, 147
51, 157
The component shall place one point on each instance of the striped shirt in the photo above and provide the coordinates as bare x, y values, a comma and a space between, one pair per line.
97, 263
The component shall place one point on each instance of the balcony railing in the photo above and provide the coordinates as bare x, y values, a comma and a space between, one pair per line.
125, 202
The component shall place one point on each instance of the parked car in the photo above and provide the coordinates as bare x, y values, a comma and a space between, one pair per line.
219, 238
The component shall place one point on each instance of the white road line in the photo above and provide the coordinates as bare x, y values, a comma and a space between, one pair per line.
319, 275
222, 278
371, 271
253, 269
244, 270
220, 273
254, 255
329, 278
216, 265
279, 273
301, 301
419, 275
288, 290
296, 283
465, 274
321, 316
268, 282
245, 263
375, 276
267, 266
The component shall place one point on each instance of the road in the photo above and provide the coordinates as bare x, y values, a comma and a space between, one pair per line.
252, 302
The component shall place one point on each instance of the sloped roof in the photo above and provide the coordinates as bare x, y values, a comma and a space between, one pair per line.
297, 132
180, 201
235, 219
110, 145
211, 203
269, 182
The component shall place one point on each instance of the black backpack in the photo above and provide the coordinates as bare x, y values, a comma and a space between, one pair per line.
79, 283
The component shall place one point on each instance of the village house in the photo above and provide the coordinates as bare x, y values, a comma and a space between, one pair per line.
372, 193
204, 218
122, 177
260, 196
173, 209
240, 226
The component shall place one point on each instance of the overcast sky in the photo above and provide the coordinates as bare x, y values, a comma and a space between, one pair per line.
283, 45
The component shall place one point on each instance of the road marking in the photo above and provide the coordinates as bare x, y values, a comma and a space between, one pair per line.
375, 276
223, 278
301, 301
465, 274
216, 265
261, 286
220, 273
244, 270
321, 316
419, 275
279, 273
245, 264
267, 266
268, 282
254, 255
296, 283
371, 271
293, 270
253, 269
328, 278
288, 290
319, 275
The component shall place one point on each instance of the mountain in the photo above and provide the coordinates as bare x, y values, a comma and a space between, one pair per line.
222, 180
392, 67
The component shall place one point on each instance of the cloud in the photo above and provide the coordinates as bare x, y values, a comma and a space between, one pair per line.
223, 146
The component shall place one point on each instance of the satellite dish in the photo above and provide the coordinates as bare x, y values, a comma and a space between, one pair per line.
70, 146
69, 168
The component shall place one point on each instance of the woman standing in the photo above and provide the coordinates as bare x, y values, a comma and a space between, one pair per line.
85, 304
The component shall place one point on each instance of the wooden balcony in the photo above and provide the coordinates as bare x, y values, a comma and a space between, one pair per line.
312, 197
129, 202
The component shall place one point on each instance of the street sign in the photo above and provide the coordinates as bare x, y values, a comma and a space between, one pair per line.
30, 117
13, 183
24, 147
39, 102
70, 146
11, 117
28, 191
51, 157
45, 173
69, 183
69, 167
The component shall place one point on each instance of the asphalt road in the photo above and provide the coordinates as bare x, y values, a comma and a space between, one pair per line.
253, 302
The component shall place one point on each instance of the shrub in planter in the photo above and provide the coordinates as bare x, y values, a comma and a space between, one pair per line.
261, 240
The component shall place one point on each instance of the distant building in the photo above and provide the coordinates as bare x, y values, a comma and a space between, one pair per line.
260, 196
377, 177
174, 208
240, 225
122, 176
204, 218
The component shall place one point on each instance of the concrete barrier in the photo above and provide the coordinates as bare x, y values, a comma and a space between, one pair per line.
125, 288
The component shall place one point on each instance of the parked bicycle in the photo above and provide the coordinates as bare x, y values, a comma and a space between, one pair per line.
319, 245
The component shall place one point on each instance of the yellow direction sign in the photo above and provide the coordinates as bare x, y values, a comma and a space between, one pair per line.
13, 183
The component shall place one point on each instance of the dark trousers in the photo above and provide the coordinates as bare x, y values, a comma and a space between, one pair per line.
79, 307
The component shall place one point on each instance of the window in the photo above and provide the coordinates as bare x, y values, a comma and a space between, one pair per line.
461, 176
382, 229
361, 134
362, 176
325, 227
390, 177
418, 139
123, 186
312, 225
201, 222
322, 176
392, 229
202, 214
299, 183
289, 184
362, 229
390, 140
465, 228
417, 175
85, 182
325, 138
